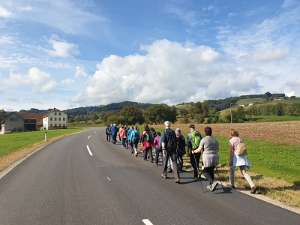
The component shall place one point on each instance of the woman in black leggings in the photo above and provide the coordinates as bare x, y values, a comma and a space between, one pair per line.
209, 147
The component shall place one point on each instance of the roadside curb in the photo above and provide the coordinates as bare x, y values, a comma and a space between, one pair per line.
271, 201
13, 165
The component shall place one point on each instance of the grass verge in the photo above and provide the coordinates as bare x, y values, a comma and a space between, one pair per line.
15, 141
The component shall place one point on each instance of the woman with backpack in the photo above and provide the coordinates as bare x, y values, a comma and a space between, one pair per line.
147, 141
135, 138
238, 158
180, 140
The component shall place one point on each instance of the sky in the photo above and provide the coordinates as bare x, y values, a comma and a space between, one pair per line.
70, 53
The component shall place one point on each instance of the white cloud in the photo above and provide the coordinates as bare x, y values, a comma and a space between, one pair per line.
35, 79
67, 81
270, 54
4, 13
80, 72
62, 48
67, 16
167, 72
6, 40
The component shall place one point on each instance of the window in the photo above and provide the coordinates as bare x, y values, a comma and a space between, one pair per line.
59, 119
55, 113
64, 119
54, 118
50, 118
59, 114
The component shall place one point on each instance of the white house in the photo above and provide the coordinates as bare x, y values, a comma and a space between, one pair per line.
55, 119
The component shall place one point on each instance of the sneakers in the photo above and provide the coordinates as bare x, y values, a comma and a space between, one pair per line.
212, 187
177, 181
253, 190
163, 176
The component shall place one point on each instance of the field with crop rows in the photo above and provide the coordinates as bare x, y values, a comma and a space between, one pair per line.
275, 132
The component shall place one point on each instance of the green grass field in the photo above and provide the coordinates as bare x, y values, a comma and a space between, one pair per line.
15, 141
268, 159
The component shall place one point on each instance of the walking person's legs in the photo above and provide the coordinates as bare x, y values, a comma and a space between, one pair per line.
248, 178
195, 159
157, 151
175, 167
146, 153
151, 154
135, 146
231, 176
166, 160
209, 174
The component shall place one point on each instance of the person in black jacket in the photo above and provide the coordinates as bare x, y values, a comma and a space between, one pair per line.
108, 133
169, 144
180, 140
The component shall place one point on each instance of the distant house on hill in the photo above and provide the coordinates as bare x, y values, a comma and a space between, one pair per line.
55, 119
11, 122
32, 121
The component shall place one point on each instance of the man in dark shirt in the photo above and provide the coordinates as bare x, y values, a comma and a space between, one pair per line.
169, 145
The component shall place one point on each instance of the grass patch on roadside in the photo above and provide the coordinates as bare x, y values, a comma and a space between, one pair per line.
14, 141
273, 160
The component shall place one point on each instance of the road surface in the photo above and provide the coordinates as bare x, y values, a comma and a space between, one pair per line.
82, 180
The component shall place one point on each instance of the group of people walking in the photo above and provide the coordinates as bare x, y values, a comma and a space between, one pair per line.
171, 146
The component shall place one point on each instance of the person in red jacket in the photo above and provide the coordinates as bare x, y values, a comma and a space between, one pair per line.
147, 140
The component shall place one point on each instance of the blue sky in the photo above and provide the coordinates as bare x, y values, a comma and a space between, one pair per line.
77, 53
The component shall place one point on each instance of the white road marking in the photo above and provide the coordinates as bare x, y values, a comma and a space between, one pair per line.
89, 150
89, 137
108, 178
147, 222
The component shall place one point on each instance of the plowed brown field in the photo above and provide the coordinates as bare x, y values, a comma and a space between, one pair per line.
275, 132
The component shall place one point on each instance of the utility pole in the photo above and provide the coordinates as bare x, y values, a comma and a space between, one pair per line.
45, 134
231, 113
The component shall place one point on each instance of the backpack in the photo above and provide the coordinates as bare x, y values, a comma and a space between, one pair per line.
135, 136
147, 136
171, 140
241, 149
195, 138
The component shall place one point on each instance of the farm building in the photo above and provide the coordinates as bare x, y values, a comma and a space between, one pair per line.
55, 119
32, 121
11, 122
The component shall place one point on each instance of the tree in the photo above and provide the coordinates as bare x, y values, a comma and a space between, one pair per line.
160, 113
238, 115
132, 115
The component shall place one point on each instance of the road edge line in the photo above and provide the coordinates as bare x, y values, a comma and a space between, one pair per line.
271, 201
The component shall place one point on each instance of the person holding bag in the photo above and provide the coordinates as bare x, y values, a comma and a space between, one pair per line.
238, 158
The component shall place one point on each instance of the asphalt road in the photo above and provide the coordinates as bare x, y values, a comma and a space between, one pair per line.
82, 180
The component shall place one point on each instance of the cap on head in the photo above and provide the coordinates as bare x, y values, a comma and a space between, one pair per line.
167, 124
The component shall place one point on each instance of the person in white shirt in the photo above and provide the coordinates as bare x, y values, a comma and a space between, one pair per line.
240, 161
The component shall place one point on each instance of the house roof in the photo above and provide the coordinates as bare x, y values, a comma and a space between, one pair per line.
7, 115
29, 115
